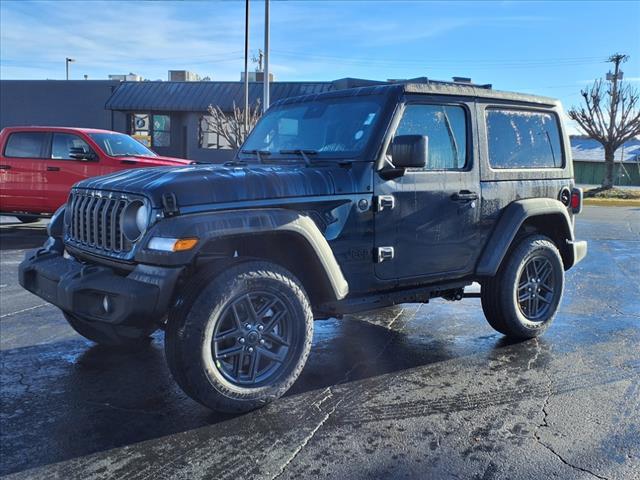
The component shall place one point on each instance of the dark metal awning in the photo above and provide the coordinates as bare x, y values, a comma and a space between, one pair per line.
197, 96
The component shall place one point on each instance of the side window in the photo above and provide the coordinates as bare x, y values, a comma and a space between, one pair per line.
63, 143
26, 145
446, 127
523, 139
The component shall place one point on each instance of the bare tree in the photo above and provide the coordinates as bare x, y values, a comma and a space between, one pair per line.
610, 114
231, 126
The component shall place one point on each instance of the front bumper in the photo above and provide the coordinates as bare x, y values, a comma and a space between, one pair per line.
98, 293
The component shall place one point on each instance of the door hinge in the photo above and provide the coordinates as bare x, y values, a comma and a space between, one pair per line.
385, 201
384, 253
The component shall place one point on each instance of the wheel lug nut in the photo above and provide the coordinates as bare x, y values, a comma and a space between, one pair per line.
262, 341
247, 325
241, 340
250, 349
260, 327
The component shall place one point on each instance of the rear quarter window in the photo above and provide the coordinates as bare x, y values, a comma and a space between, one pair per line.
26, 145
523, 139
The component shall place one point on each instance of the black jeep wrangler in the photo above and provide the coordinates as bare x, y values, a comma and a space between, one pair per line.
337, 203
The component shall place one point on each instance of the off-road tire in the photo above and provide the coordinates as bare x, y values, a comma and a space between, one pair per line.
499, 293
113, 336
192, 322
27, 219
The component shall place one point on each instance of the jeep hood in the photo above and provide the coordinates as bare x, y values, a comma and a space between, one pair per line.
205, 184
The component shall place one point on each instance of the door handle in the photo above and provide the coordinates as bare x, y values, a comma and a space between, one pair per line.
53, 169
464, 196
5, 167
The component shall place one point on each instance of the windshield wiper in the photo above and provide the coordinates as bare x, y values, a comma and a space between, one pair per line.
303, 153
257, 153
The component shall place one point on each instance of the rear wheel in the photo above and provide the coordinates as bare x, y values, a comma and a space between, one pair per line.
114, 336
521, 301
242, 339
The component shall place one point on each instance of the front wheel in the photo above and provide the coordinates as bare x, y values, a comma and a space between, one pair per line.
521, 301
242, 337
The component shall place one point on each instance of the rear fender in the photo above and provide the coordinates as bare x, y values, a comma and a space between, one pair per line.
547, 216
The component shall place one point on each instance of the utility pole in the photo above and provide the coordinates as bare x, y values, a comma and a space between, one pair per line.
67, 61
246, 67
616, 59
265, 103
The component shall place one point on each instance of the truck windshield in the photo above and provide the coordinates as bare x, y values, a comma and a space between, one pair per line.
327, 127
120, 145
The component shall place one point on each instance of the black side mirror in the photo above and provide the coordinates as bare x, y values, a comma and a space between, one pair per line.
410, 151
79, 153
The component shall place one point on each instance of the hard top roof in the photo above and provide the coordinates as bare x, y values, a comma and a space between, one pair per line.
428, 88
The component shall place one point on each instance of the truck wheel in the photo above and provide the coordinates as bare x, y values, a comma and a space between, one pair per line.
522, 299
114, 336
27, 219
240, 338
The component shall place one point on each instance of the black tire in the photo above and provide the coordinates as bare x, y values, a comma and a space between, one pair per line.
531, 313
208, 308
27, 219
113, 336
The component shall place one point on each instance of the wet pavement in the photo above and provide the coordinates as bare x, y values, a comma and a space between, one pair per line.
414, 391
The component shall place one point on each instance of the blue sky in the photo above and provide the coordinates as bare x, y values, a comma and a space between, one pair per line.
550, 48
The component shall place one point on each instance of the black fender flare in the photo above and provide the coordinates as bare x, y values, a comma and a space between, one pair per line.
510, 221
211, 226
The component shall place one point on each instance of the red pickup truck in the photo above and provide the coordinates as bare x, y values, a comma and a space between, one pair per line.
38, 165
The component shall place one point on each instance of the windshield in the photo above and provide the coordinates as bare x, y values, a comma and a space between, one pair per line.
326, 127
120, 145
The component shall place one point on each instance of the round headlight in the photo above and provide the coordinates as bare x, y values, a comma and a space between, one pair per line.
142, 218
135, 220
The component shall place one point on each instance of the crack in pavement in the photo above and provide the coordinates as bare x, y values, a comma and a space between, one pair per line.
545, 424
620, 312
306, 440
329, 394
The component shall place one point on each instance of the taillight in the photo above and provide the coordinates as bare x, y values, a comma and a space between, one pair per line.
576, 200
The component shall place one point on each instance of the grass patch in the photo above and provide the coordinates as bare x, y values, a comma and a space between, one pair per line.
612, 194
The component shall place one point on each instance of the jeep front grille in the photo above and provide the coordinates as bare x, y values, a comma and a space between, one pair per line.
95, 222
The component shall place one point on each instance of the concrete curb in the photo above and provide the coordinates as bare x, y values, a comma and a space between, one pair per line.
612, 202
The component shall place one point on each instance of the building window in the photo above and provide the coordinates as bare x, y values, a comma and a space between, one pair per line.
151, 130
209, 138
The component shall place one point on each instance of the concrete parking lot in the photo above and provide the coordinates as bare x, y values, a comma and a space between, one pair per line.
414, 391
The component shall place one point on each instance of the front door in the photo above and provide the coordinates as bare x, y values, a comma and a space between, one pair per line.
429, 230
63, 170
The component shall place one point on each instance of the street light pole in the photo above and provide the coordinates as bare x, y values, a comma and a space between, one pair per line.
67, 61
265, 104
246, 67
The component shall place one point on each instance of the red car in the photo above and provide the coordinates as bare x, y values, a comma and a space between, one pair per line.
38, 165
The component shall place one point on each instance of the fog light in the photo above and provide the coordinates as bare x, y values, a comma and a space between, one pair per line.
106, 304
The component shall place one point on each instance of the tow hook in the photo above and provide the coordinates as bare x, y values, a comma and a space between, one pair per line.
454, 295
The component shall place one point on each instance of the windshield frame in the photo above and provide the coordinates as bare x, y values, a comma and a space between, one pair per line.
366, 153
96, 137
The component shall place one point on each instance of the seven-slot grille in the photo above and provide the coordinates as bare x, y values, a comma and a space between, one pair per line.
95, 221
